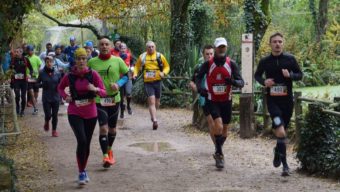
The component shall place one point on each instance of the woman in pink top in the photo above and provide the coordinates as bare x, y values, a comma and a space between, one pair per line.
84, 85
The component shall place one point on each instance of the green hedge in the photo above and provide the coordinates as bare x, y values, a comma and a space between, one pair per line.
319, 145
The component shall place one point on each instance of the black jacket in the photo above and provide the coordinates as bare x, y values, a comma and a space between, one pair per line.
49, 80
272, 67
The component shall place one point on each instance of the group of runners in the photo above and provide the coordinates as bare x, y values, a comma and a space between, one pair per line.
94, 84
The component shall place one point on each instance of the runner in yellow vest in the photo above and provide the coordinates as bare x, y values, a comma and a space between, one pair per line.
154, 67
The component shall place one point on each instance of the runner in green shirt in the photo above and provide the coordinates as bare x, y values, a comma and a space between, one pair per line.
113, 72
33, 86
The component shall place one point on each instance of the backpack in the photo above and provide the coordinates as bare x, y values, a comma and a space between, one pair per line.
72, 79
158, 58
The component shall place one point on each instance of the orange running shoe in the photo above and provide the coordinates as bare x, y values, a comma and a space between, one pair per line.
106, 162
112, 159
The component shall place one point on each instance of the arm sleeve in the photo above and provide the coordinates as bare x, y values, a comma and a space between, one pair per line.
166, 66
62, 85
237, 80
124, 79
98, 82
199, 78
259, 72
295, 73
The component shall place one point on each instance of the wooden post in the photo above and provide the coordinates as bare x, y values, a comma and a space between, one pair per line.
298, 114
265, 110
337, 100
246, 97
246, 115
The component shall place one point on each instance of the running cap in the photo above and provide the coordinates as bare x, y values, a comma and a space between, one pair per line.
72, 38
30, 47
220, 41
88, 44
80, 52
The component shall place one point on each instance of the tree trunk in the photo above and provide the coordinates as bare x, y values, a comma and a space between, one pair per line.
322, 19
257, 20
179, 40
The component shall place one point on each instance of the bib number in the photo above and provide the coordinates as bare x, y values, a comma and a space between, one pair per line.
278, 91
19, 76
107, 101
219, 89
83, 102
150, 74
32, 80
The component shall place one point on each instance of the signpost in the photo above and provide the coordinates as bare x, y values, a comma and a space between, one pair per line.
246, 98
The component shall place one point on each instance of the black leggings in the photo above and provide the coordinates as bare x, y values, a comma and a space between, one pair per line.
51, 110
83, 130
20, 89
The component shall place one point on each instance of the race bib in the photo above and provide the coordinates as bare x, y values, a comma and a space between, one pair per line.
107, 101
19, 76
83, 102
278, 90
219, 89
31, 80
150, 74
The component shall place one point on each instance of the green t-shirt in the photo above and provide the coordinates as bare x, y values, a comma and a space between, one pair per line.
110, 71
35, 63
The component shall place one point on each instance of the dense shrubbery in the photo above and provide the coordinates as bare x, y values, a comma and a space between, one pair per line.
319, 145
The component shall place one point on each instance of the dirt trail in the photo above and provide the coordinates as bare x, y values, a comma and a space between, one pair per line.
174, 158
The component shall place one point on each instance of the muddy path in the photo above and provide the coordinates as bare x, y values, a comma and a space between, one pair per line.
174, 158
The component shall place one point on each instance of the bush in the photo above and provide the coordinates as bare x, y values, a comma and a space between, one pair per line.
318, 148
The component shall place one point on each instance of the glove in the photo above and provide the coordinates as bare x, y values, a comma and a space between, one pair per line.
229, 81
203, 92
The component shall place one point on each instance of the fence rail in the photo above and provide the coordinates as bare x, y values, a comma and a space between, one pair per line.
9, 128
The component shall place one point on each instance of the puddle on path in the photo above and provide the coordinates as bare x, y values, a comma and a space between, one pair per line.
154, 146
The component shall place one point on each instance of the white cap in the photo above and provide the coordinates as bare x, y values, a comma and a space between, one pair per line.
52, 54
220, 41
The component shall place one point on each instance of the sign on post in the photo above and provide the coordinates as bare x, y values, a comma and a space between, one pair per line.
246, 97
247, 62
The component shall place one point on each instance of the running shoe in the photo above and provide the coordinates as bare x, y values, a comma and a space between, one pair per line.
112, 159
22, 113
55, 133
285, 171
29, 104
82, 178
219, 160
47, 126
106, 162
129, 110
277, 159
122, 114
154, 125
35, 111
87, 178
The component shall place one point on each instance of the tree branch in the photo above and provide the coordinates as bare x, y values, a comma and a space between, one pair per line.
87, 26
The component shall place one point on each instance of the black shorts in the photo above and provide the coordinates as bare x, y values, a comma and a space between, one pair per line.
280, 110
34, 86
153, 89
220, 109
108, 115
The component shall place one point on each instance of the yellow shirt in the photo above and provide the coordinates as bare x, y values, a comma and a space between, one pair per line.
151, 70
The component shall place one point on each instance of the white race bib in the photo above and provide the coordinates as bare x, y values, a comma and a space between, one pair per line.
219, 89
32, 80
83, 102
108, 101
150, 74
19, 76
278, 90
